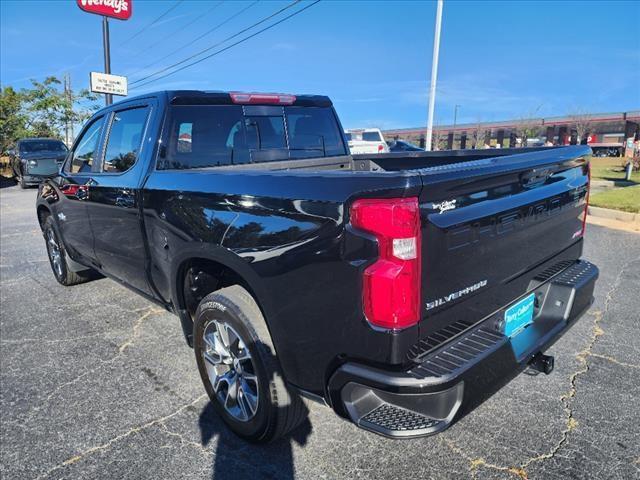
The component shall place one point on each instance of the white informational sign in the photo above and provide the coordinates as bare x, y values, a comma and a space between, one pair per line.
107, 83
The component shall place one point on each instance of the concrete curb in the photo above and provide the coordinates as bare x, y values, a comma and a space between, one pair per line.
614, 214
612, 183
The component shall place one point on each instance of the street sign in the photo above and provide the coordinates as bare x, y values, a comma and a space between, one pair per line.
107, 83
120, 9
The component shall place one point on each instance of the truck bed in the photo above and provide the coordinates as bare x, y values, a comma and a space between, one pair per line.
386, 162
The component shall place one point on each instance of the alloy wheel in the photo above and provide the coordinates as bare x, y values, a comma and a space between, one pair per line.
55, 255
231, 370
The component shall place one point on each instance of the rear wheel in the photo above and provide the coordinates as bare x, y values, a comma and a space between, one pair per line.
58, 257
239, 369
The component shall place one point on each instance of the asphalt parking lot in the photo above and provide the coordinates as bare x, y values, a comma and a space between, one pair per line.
96, 382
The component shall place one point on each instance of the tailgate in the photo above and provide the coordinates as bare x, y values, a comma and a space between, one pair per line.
489, 226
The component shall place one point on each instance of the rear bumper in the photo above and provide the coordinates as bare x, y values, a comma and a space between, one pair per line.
455, 378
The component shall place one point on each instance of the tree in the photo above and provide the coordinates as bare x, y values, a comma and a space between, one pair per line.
49, 109
582, 121
439, 140
477, 135
528, 126
13, 120
41, 111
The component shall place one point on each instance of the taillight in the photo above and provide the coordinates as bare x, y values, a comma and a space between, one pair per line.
262, 98
380, 148
586, 203
391, 286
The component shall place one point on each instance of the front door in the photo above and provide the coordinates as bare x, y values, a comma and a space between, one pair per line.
74, 183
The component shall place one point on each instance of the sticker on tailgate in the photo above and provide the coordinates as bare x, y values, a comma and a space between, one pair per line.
519, 315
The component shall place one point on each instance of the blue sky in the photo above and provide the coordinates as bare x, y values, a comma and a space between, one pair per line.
498, 60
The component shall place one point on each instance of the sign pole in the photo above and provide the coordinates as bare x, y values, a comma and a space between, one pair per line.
107, 55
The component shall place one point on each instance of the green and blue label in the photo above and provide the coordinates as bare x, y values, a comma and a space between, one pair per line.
519, 315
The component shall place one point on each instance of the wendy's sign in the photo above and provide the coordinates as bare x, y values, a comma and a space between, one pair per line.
120, 9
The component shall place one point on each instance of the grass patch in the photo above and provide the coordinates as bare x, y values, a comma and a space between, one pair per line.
611, 168
626, 199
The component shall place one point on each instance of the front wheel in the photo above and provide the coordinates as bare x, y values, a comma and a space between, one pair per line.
237, 363
58, 257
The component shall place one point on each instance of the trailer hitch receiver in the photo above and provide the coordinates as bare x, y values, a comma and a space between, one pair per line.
542, 363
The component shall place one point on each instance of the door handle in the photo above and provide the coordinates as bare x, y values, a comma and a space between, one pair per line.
125, 199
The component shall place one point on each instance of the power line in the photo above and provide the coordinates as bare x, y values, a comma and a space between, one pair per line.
154, 22
188, 24
224, 22
191, 57
232, 45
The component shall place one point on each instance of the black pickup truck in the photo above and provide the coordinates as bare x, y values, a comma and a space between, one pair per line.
400, 289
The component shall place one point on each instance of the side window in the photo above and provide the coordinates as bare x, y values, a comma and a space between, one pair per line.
125, 139
201, 136
86, 149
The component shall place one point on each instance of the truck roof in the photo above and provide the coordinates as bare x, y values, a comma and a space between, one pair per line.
218, 97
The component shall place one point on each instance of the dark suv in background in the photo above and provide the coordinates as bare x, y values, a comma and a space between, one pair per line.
35, 159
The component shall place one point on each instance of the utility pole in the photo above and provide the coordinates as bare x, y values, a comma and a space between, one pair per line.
66, 110
107, 55
434, 74
71, 98
68, 113
455, 115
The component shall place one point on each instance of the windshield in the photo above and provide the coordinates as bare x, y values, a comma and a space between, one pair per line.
33, 146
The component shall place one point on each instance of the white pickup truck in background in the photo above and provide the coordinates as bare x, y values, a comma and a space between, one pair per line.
366, 140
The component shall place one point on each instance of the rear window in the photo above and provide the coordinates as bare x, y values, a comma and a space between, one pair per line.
371, 137
313, 132
200, 136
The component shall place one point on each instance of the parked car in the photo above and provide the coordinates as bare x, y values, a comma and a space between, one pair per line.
35, 159
367, 140
402, 146
400, 289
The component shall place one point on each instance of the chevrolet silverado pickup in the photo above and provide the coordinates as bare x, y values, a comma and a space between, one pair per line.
399, 289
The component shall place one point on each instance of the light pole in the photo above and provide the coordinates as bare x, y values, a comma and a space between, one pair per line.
107, 55
455, 116
434, 75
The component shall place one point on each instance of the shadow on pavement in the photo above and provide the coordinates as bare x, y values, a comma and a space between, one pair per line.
237, 459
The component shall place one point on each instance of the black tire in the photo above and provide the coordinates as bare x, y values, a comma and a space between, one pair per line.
279, 409
63, 274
